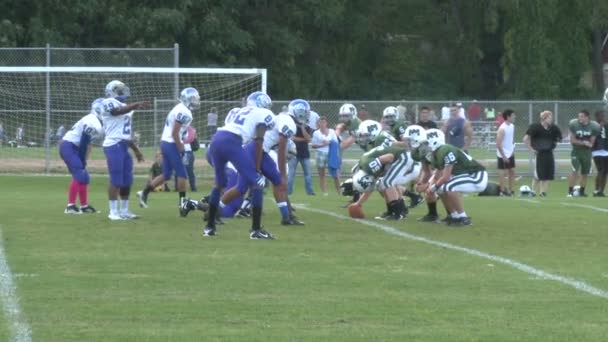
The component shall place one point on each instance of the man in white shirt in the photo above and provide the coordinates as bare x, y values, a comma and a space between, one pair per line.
505, 148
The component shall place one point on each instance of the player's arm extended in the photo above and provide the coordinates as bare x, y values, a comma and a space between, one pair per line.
175, 134
260, 130
363, 198
282, 157
127, 108
138, 154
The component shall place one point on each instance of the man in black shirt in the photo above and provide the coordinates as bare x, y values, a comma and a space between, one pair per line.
542, 138
424, 118
302, 138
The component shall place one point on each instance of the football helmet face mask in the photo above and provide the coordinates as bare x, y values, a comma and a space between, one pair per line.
190, 98
435, 138
363, 182
259, 99
389, 115
117, 90
299, 109
346, 188
347, 112
368, 131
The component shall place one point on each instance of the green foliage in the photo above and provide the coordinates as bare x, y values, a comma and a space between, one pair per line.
346, 49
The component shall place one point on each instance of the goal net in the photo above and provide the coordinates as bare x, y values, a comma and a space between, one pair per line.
39, 104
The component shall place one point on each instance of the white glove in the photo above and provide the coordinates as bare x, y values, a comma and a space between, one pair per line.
260, 180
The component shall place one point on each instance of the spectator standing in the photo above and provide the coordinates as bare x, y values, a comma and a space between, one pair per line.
583, 133
505, 148
461, 112
445, 113
425, 118
600, 155
542, 138
458, 130
363, 113
313, 120
211, 123
321, 139
20, 135
156, 170
302, 138
474, 111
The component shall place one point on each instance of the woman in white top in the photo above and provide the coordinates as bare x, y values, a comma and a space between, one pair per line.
321, 139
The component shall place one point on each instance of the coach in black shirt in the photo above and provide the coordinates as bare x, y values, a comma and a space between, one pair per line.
301, 138
542, 138
425, 118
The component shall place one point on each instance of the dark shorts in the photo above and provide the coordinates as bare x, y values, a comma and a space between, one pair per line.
601, 164
545, 166
581, 161
501, 163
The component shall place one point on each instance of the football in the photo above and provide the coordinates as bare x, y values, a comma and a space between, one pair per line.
355, 211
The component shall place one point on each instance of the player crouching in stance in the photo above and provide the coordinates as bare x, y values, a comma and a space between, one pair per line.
117, 117
74, 150
172, 148
390, 166
250, 123
455, 172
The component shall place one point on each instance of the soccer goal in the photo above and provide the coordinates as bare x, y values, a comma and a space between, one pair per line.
39, 104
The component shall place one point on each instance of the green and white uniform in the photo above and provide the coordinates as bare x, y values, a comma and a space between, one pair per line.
351, 127
398, 129
383, 139
581, 155
467, 174
401, 171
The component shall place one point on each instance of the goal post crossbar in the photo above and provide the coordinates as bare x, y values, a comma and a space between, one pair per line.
161, 70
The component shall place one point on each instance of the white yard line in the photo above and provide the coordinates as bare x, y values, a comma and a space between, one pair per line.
574, 283
20, 329
529, 200
604, 210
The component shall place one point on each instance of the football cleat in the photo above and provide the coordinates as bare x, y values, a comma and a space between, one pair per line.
72, 209
460, 222
115, 217
187, 206
395, 217
243, 213
598, 194
429, 218
291, 221
416, 200
260, 234
383, 216
209, 231
127, 215
143, 199
88, 210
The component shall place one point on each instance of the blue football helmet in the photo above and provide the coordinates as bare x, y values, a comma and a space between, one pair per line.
118, 90
299, 109
259, 99
190, 98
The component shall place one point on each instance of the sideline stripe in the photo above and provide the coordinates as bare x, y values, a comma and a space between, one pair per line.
574, 283
604, 210
21, 331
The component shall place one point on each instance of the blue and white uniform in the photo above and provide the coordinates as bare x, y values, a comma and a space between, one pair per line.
116, 143
75, 143
172, 158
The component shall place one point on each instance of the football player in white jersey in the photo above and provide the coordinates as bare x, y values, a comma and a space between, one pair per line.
74, 150
116, 117
172, 147
273, 166
250, 123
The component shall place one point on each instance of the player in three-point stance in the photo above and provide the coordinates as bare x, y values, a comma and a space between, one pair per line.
74, 149
117, 117
172, 148
250, 123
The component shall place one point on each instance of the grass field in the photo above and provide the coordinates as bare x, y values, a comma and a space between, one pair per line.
82, 278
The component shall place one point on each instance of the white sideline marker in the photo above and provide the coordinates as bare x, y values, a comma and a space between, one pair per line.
576, 284
604, 210
21, 331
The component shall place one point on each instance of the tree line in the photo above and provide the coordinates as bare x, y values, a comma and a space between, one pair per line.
347, 49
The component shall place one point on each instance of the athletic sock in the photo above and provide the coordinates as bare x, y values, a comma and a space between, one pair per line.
214, 200
283, 209
257, 200
388, 208
455, 215
402, 207
394, 205
462, 214
83, 193
113, 206
72, 192
148, 188
432, 208
182, 195
124, 205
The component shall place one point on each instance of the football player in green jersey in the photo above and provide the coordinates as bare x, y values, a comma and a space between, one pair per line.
583, 132
390, 117
349, 123
385, 168
456, 172
370, 135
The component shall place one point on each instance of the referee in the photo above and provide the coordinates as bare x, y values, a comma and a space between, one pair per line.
542, 138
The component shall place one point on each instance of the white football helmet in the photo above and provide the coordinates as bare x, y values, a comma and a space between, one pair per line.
525, 191
259, 99
97, 108
576, 191
190, 98
299, 109
390, 115
363, 182
415, 134
368, 130
347, 112
436, 138
118, 90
